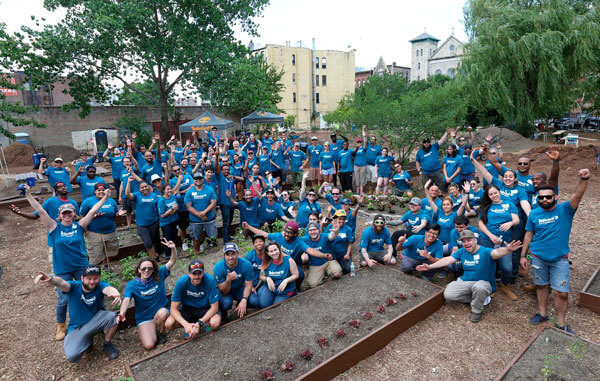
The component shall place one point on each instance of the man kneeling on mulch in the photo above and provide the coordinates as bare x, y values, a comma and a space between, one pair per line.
477, 281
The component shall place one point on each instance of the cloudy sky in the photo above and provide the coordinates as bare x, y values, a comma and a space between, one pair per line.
373, 27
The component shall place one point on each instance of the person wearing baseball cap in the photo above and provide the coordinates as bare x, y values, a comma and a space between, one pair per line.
87, 182
201, 202
195, 302
235, 276
314, 153
342, 244
323, 262
56, 173
428, 161
307, 203
373, 242
414, 220
351, 213
298, 161
478, 280
270, 210
51, 204
87, 316
213, 137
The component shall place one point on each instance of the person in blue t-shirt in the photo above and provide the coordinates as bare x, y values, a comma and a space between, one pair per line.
352, 213
479, 264
180, 183
383, 168
287, 204
461, 223
201, 202
314, 154
86, 182
255, 257
66, 239
334, 198
234, 278
249, 208
547, 238
307, 203
420, 249
264, 160
225, 181
125, 202
372, 244
298, 160
150, 166
324, 261
87, 316
168, 206
213, 137
446, 215
279, 273
270, 210
346, 165
342, 244
195, 302
415, 219
151, 303
360, 162
116, 163
146, 216
451, 166
372, 151
277, 161
402, 180
475, 196
428, 161
327, 163
85, 161
102, 240
57, 173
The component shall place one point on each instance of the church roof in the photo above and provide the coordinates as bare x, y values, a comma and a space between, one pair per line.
423, 37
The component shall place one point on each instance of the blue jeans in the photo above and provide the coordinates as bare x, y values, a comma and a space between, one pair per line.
267, 297
556, 274
62, 302
300, 274
226, 301
506, 262
227, 214
345, 264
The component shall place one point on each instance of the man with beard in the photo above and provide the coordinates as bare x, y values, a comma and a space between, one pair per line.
428, 161
56, 173
547, 238
225, 181
372, 244
324, 262
151, 167
87, 316
479, 264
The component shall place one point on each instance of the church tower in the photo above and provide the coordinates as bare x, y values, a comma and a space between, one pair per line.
423, 47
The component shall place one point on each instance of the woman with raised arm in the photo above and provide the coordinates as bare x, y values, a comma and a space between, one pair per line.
278, 274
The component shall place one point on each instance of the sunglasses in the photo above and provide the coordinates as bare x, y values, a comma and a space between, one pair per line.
378, 223
335, 194
67, 212
546, 197
523, 163
312, 194
196, 266
146, 268
177, 170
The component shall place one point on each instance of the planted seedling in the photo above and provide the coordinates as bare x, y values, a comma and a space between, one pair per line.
367, 316
340, 333
380, 309
267, 375
415, 294
354, 323
287, 366
390, 301
400, 296
306, 354
323, 342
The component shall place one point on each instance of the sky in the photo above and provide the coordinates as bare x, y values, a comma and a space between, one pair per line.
374, 28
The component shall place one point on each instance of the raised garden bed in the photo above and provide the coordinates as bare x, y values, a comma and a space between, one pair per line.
554, 355
589, 296
266, 339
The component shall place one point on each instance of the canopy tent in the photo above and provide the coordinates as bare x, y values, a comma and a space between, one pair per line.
261, 116
205, 122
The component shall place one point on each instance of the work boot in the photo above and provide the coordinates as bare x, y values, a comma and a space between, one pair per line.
511, 295
110, 350
61, 331
522, 271
475, 317
529, 287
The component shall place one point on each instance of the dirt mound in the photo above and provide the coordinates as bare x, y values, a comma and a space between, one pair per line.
580, 157
510, 140
18, 155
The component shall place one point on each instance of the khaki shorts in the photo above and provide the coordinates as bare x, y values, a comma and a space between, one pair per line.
100, 246
371, 174
317, 273
315, 174
360, 176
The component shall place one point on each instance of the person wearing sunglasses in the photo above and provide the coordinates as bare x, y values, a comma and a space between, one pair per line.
419, 249
475, 197
150, 296
334, 198
342, 244
373, 242
307, 203
428, 160
415, 219
195, 302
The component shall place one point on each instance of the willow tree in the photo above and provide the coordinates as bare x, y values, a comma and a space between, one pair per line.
525, 57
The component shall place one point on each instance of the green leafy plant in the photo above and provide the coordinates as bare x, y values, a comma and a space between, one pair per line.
128, 266
577, 350
111, 278
548, 368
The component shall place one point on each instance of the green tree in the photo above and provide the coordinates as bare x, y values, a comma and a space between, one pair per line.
145, 94
524, 58
168, 42
249, 84
290, 120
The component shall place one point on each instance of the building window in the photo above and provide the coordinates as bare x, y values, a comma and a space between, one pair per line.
421, 52
438, 71
317, 62
323, 63
293, 77
451, 73
317, 98
293, 59
417, 52
419, 66
294, 97
418, 77
316, 80
430, 52
451, 48
323, 80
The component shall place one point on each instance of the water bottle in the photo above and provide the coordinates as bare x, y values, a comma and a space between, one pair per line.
352, 269
500, 244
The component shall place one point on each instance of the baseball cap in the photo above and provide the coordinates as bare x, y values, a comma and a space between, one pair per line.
426, 140
466, 234
312, 225
198, 175
346, 201
340, 213
195, 265
379, 217
65, 207
293, 226
258, 236
415, 201
58, 159
358, 140
214, 128
230, 246
468, 146
314, 138
92, 270
270, 190
297, 144
99, 185
154, 177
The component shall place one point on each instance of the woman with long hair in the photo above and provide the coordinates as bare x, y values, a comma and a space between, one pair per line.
384, 171
278, 273
167, 210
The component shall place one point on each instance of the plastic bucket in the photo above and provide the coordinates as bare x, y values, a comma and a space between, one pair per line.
30, 181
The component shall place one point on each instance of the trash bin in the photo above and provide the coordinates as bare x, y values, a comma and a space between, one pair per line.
100, 139
22, 137
37, 158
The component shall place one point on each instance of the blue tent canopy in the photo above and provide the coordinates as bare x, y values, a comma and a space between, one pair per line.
261, 116
205, 122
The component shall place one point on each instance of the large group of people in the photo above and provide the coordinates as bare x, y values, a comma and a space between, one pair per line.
479, 221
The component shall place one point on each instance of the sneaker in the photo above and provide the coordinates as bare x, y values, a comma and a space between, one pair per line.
442, 274
538, 319
184, 246
487, 301
475, 317
566, 328
111, 350
161, 338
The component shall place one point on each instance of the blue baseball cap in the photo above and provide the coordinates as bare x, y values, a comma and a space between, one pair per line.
230, 246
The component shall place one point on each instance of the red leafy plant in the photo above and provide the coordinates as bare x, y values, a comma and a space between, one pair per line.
400, 296
287, 366
415, 294
367, 316
306, 354
323, 342
380, 309
390, 301
267, 375
354, 323
340, 333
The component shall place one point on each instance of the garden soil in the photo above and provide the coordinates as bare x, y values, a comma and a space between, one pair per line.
18, 154
594, 287
557, 356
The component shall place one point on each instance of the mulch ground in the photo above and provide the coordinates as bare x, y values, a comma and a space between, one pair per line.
446, 344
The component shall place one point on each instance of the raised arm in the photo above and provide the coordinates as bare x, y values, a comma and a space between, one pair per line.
584, 176
554, 154
48, 222
444, 137
128, 193
484, 172
85, 220
302, 195
254, 230
52, 281
173, 258
231, 200
75, 175
432, 204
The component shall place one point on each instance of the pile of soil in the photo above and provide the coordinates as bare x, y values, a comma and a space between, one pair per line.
510, 140
18, 155
570, 156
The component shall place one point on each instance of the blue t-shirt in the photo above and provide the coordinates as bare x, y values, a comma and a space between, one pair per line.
304, 209
69, 253
327, 159
446, 222
452, 164
551, 230
201, 296
178, 154
336, 205
200, 200
84, 305
87, 185
314, 152
52, 204
186, 182
467, 166
456, 202
105, 223
212, 139
340, 243
225, 183
417, 242
256, 262
475, 197
277, 158
251, 146
151, 169
426, 207
149, 297
135, 185
323, 244
336, 148
372, 152
373, 241
250, 213
401, 180
524, 182
415, 219
430, 161
56, 175
280, 272
264, 162
477, 266
515, 194
243, 270
454, 237
163, 206
296, 159
345, 159
497, 215
270, 212
146, 210
286, 205
360, 157
116, 164
267, 142
294, 249
88, 162
351, 222
383, 166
